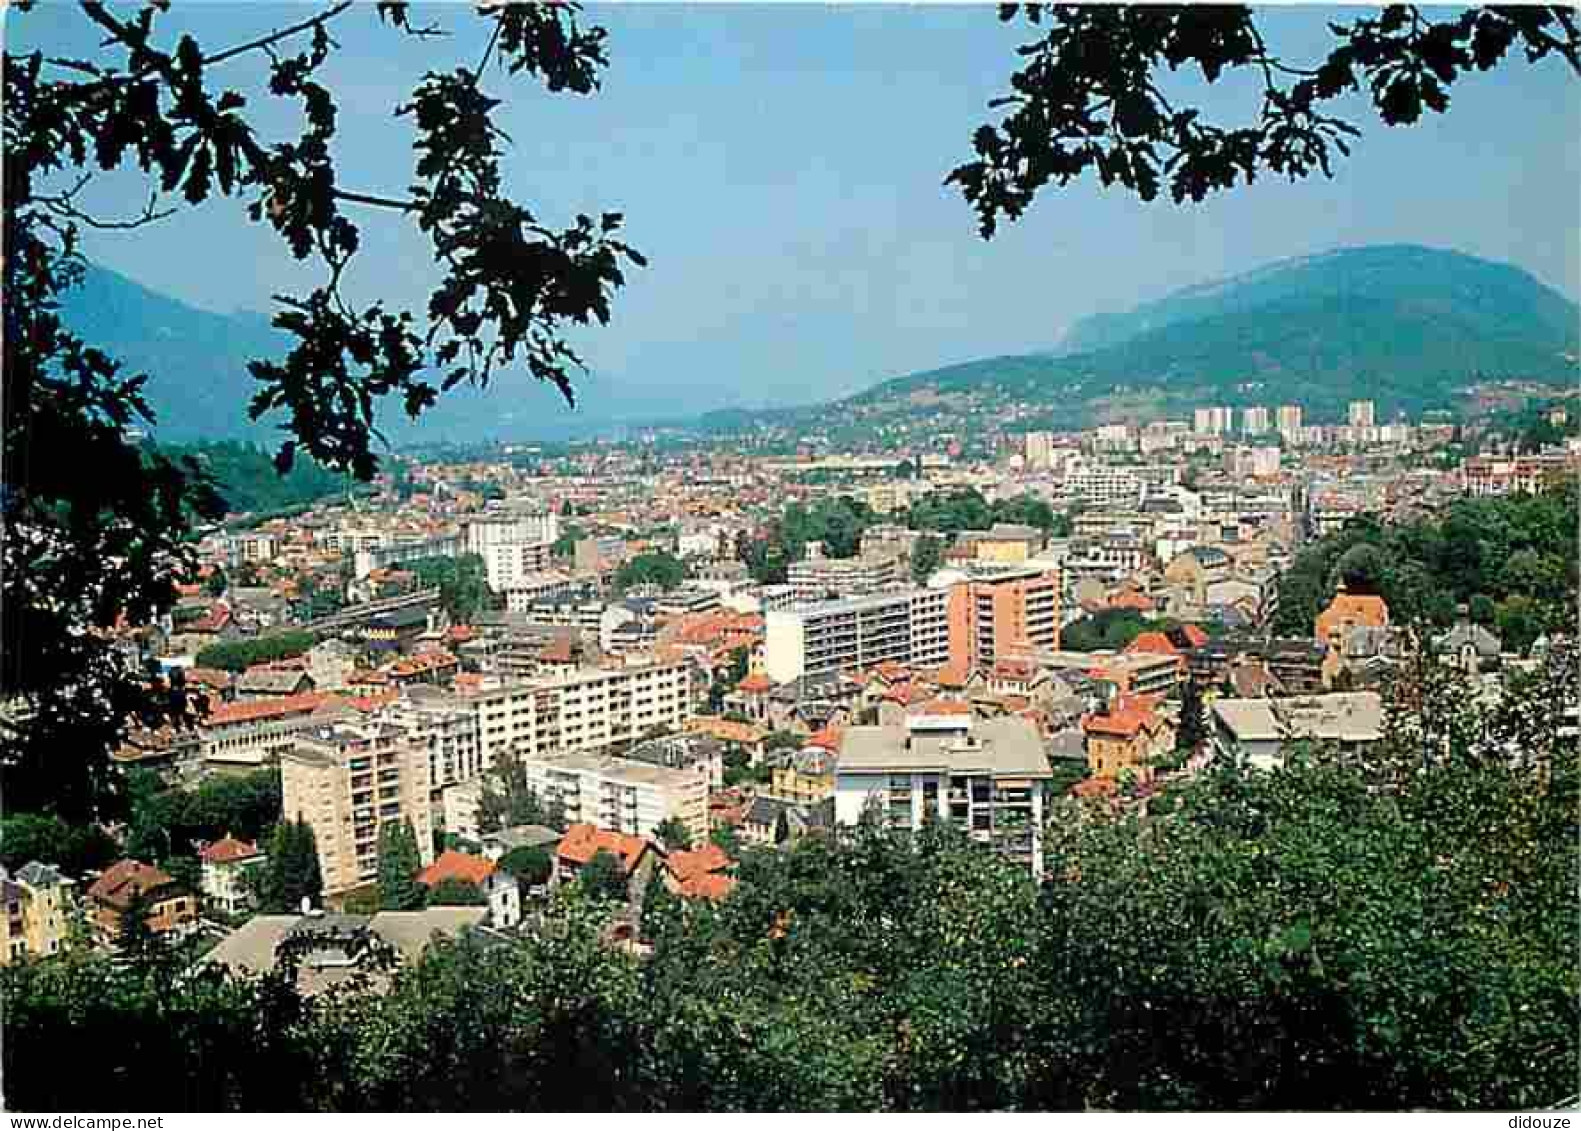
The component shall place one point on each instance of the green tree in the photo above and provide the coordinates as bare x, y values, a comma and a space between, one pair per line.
291, 872
603, 877
530, 865
1193, 729
508, 799
657, 568
399, 863
462, 581
1481, 609
239, 655
927, 555
74, 849
454, 892
671, 833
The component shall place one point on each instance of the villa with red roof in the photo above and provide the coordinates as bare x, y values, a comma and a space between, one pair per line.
225, 864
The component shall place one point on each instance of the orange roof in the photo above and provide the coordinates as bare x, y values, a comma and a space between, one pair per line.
712, 886
125, 879
691, 863
1358, 608
259, 709
1153, 642
826, 739
1094, 787
453, 865
755, 684
583, 842
228, 850
1123, 722
422, 662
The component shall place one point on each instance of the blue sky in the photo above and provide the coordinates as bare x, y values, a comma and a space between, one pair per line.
782, 167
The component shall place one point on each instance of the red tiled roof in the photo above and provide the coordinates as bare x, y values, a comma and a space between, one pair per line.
259, 709
217, 678
1124, 723
228, 850
583, 842
755, 684
124, 880
1130, 599
1155, 642
453, 865
692, 863
826, 739
711, 886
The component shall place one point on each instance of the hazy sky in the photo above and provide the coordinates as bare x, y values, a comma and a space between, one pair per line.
782, 167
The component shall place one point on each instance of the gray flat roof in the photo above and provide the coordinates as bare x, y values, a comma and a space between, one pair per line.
1004, 747
1347, 716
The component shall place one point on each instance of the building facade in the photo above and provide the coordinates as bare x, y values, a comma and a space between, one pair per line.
986, 776
348, 782
908, 626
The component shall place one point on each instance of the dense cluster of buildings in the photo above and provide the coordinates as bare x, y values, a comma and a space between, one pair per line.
974, 689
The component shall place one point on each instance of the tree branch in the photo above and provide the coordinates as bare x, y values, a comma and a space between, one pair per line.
276, 36
376, 201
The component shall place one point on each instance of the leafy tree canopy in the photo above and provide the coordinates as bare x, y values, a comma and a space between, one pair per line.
1095, 94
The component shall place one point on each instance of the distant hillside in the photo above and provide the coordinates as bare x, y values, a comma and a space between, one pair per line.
196, 361
1408, 327
199, 385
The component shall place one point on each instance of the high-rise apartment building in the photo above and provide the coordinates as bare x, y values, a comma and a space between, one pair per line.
1212, 421
1361, 414
910, 626
508, 565
517, 524
1288, 419
1004, 612
446, 728
349, 781
1039, 450
1254, 420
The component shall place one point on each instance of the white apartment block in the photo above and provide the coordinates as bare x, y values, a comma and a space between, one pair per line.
1361, 414
1254, 421
819, 579
986, 776
590, 711
348, 782
512, 565
1102, 484
405, 549
1288, 419
446, 728
495, 528
622, 795
910, 626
